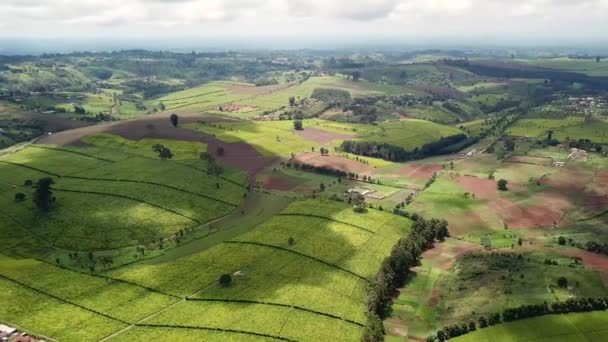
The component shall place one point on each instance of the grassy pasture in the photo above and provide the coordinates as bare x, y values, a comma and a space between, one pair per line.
576, 327
180, 149
570, 127
410, 133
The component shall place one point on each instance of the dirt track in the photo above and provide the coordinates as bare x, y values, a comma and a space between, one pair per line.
239, 155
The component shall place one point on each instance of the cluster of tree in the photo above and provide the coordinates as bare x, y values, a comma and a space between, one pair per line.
512, 70
333, 97
79, 109
522, 312
43, 196
395, 268
430, 181
585, 144
590, 246
163, 151
298, 125
399, 154
99, 117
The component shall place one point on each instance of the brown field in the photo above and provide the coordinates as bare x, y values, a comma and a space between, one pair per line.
334, 162
420, 171
279, 183
239, 155
320, 136
554, 204
545, 161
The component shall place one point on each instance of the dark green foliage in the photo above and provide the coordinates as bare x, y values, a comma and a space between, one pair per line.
562, 282
298, 125
374, 329
163, 152
225, 280
79, 110
502, 185
332, 96
174, 119
19, 197
561, 240
43, 196
28, 182
291, 241
398, 154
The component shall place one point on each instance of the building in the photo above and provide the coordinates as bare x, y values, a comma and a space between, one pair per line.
578, 154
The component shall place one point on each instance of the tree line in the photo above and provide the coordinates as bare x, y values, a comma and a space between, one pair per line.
394, 153
394, 270
522, 312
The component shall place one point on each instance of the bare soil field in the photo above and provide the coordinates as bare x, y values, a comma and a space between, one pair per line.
279, 183
419, 171
554, 204
240, 155
320, 136
545, 161
334, 162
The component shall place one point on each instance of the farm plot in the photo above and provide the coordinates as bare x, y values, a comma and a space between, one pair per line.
115, 299
39, 312
181, 149
410, 133
106, 204
324, 269
576, 327
207, 96
475, 286
573, 128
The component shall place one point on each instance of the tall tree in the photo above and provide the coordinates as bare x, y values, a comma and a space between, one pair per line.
174, 119
43, 196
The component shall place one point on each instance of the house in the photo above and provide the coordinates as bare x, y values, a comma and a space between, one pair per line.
361, 191
9, 331
578, 154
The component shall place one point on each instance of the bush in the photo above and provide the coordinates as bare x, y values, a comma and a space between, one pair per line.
561, 240
562, 282
225, 280
297, 124
502, 185
19, 197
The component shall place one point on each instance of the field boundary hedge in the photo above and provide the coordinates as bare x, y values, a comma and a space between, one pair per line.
31, 168
74, 152
153, 183
244, 301
62, 299
328, 219
212, 329
129, 198
300, 254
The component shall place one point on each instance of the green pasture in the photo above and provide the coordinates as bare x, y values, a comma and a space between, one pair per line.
572, 128
575, 327
180, 149
409, 134
487, 283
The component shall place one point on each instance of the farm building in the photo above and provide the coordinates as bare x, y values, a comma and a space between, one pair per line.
578, 154
361, 191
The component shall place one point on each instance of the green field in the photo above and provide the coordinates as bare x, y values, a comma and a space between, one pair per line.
577, 327
409, 134
585, 66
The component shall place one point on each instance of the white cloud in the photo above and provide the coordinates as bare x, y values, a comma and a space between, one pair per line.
286, 17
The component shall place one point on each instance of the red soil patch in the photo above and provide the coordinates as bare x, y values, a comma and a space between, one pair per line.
530, 160
279, 183
423, 171
239, 155
465, 222
545, 215
435, 298
596, 204
334, 162
598, 262
320, 136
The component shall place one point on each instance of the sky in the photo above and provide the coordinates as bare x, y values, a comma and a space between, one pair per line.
490, 21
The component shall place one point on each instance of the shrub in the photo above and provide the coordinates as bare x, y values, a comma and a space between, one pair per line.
225, 280
502, 185
19, 197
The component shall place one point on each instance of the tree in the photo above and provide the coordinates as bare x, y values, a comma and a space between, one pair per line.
291, 241
321, 187
509, 144
502, 185
597, 59
43, 196
297, 124
28, 182
79, 110
358, 201
163, 152
19, 197
561, 240
174, 119
225, 280
550, 135
562, 282
161, 106
292, 101
356, 75
220, 151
